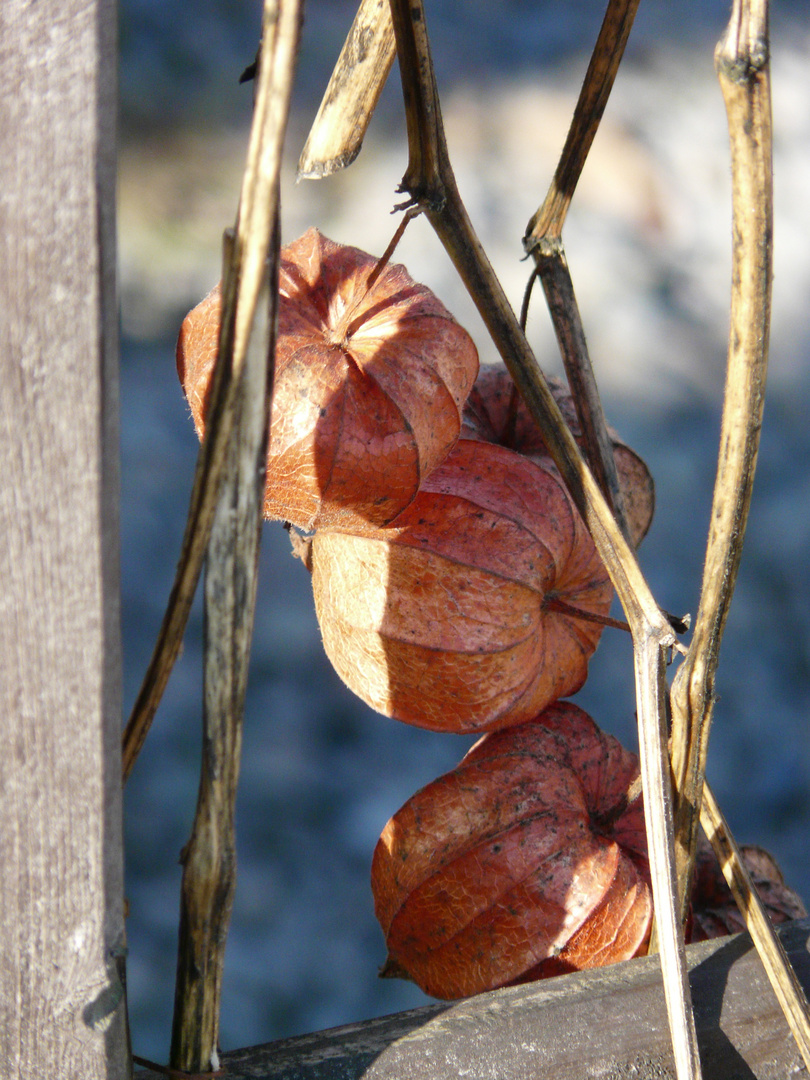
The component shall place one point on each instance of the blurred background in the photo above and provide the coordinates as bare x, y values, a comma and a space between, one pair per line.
648, 241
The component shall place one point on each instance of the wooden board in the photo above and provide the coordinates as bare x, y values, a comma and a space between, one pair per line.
609, 1024
61, 877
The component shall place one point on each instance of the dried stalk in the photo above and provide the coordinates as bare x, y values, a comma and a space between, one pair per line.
209, 857
742, 65
243, 274
771, 952
742, 60
338, 130
543, 241
607, 54
558, 287
430, 182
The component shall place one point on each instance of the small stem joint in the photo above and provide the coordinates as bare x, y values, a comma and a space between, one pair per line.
420, 199
543, 247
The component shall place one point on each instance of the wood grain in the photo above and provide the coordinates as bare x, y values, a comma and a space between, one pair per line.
61, 877
608, 1023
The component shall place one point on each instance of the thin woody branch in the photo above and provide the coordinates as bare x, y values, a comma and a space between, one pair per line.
742, 61
209, 858
430, 181
742, 64
543, 241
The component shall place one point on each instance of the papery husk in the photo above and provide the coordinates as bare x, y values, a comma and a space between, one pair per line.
714, 912
496, 413
446, 619
368, 391
523, 861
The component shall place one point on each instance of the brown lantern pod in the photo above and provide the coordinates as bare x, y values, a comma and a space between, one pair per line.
526, 860
475, 608
496, 413
369, 384
714, 911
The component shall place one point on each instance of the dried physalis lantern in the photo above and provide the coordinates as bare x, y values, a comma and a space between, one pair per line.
527, 860
477, 607
369, 385
714, 912
496, 412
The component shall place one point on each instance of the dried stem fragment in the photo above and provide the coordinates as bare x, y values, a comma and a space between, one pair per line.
354, 88
743, 69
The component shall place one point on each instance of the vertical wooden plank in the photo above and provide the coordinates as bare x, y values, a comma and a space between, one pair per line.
61, 879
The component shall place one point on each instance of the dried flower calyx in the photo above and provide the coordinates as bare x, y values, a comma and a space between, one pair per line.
525, 861
496, 413
369, 387
476, 608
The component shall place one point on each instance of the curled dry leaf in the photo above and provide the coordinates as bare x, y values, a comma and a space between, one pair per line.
469, 612
714, 911
496, 413
525, 861
368, 390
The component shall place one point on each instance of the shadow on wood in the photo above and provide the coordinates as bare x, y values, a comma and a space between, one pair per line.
609, 1023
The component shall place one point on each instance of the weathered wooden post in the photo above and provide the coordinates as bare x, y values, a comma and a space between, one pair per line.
62, 1012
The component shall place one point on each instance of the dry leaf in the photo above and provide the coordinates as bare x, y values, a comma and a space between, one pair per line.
368, 391
458, 616
526, 860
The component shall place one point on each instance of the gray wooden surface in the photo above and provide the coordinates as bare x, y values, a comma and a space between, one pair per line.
609, 1023
61, 878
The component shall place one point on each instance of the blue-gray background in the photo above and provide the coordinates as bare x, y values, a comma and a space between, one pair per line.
648, 242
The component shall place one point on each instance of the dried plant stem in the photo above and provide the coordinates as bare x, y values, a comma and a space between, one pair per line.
543, 242
742, 60
430, 182
209, 857
742, 65
338, 130
558, 287
771, 952
243, 275
605, 59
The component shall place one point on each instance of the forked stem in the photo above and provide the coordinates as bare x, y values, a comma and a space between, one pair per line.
429, 180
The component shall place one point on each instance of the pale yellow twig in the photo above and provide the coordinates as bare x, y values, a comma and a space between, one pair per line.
771, 952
